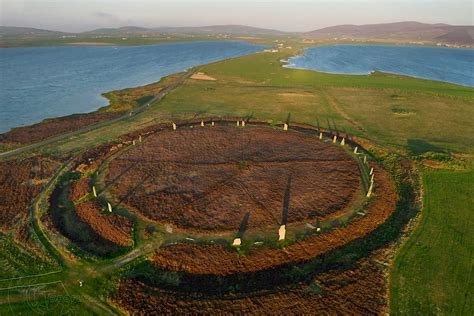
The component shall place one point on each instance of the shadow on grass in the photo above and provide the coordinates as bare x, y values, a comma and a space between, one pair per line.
418, 147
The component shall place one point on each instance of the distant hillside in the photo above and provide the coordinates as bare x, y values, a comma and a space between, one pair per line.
13, 31
120, 30
227, 29
213, 29
403, 31
400, 31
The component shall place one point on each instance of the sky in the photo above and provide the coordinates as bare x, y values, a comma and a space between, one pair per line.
286, 15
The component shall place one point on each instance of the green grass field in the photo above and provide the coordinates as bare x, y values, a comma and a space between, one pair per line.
393, 110
433, 273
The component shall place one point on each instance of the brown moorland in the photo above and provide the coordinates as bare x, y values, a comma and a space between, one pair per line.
20, 182
79, 188
55, 126
358, 290
209, 178
114, 228
219, 260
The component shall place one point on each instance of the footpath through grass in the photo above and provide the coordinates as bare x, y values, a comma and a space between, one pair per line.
433, 273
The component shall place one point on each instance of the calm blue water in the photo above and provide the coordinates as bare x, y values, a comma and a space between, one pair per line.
38, 83
443, 64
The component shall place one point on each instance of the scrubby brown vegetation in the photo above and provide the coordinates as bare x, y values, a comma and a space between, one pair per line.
55, 126
79, 188
357, 290
113, 227
92, 158
219, 260
20, 182
210, 178
127, 99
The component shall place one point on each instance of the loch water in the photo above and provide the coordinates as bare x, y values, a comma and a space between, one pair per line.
39, 83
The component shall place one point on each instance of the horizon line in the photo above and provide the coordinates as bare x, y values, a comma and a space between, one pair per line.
244, 25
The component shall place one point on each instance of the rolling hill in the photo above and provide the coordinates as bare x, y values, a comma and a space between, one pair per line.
14, 31
213, 29
401, 31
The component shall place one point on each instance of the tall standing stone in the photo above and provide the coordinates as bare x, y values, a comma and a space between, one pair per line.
369, 193
282, 233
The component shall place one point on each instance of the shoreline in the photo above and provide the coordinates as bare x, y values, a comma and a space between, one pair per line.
107, 102
288, 64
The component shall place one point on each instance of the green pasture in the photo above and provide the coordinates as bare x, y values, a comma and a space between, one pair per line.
433, 273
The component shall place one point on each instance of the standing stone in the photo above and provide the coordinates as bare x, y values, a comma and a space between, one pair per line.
140, 138
237, 242
109, 207
355, 150
133, 142
94, 191
285, 127
238, 123
174, 126
371, 171
365, 159
243, 123
212, 123
369, 193
343, 141
372, 178
320, 135
334, 139
202, 123
282, 233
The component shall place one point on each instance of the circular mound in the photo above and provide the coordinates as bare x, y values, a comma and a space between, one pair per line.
227, 178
